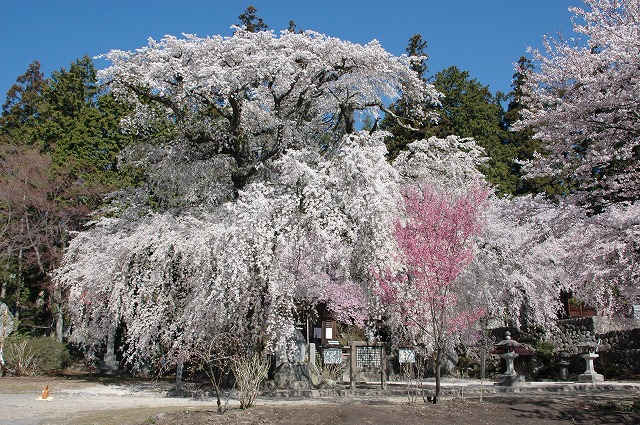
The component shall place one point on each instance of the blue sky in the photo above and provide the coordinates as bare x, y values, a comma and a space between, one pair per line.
483, 37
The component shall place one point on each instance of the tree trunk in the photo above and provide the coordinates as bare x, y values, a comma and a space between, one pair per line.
179, 368
59, 322
110, 362
16, 314
438, 366
55, 300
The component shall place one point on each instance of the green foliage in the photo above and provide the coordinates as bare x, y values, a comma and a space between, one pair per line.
251, 22
522, 141
70, 117
40, 355
417, 49
545, 349
468, 366
50, 354
402, 134
60, 140
9, 277
470, 110
347, 333
617, 372
22, 104
80, 126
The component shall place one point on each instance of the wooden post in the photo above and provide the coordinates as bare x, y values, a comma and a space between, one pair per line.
352, 366
383, 367
179, 368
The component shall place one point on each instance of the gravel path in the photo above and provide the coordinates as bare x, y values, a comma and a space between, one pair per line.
20, 402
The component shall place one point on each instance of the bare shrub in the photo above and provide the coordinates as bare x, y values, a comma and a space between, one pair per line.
249, 370
21, 358
216, 359
413, 373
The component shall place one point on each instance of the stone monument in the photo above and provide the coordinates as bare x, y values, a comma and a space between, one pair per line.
589, 353
506, 349
292, 368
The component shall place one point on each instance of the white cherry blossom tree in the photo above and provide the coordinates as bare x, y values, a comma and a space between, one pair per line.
252, 96
258, 193
582, 100
259, 196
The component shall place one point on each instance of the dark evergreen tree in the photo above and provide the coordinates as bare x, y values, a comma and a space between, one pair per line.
22, 104
470, 110
403, 128
522, 141
58, 158
80, 126
417, 49
250, 21
293, 27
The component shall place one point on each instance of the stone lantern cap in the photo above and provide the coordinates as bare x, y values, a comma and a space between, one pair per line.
508, 344
588, 346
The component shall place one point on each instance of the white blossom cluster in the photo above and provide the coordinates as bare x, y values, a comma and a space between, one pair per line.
311, 232
534, 249
261, 197
255, 200
583, 102
254, 95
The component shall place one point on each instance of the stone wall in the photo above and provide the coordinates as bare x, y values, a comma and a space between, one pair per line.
572, 332
619, 342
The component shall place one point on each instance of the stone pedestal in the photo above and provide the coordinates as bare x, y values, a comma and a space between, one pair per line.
590, 374
509, 357
563, 366
510, 380
510, 377
508, 348
589, 349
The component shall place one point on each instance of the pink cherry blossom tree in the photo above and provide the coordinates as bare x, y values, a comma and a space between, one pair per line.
436, 241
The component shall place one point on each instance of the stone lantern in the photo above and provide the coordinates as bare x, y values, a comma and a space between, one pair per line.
588, 350
506, 349
563, 366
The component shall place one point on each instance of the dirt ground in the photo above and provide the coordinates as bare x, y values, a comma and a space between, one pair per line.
494, 410
123, 402
520, 410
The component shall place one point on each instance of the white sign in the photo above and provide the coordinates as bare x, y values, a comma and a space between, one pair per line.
332, 355
406, 355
